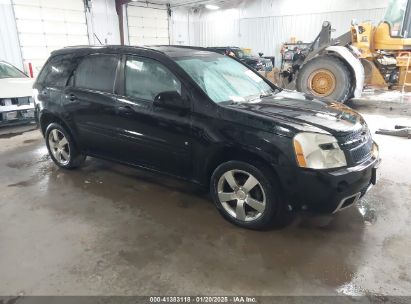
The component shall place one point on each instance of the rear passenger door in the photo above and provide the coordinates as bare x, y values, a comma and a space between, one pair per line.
90, 101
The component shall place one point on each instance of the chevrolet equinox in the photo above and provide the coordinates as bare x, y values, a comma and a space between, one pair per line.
209, 119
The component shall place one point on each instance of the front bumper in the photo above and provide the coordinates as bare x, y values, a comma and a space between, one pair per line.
22, 111
329, 191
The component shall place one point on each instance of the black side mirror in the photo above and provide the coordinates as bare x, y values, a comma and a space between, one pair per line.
261, 54
170, 100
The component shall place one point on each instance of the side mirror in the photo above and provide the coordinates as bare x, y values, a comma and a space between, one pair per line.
261, 54
170, 100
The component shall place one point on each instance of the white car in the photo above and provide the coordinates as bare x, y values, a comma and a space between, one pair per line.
16, 103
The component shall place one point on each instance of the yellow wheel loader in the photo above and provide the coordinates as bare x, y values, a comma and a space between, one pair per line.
378, 55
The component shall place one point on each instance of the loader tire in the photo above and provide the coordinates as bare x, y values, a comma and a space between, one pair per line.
325, 76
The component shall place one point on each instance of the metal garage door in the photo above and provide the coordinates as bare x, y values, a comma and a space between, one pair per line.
147, 25
46, 25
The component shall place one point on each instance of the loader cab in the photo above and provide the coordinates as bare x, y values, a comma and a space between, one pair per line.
398, 18
394, 32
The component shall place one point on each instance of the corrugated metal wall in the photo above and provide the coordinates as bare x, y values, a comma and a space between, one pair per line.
9, 41
251, 26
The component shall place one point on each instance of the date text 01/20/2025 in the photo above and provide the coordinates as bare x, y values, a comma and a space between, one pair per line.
203, 299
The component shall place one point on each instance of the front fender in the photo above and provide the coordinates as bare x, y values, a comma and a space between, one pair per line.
355, 65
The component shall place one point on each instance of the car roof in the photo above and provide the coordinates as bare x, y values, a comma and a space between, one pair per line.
173, 51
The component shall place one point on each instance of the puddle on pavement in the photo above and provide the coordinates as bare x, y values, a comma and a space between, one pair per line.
10, 132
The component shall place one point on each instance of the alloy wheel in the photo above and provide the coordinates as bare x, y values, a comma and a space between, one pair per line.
59, 147
241, 195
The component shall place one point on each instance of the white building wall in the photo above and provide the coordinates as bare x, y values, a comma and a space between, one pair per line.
264, 25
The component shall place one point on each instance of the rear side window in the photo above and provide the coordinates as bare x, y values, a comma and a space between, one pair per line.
97, 72
57, 71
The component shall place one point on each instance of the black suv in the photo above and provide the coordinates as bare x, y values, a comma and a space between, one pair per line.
257, 63
209, 119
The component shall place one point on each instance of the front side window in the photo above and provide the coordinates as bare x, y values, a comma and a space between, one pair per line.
224, 79
146, 78
9, 71
97, 72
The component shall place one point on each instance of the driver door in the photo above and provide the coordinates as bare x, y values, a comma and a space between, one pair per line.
152, 136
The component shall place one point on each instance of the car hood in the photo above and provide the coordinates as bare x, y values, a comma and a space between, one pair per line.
304, 113
15, 87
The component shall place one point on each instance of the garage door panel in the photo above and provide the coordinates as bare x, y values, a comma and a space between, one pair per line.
162, 23
134, 40
54, 27
32, 39
27, 12
76, 28
27, 2
52, 14
77, 40
34, 52
46, 25
135, 32
135, 21
74, 16
164, 41
29, 26
162, 33
147, 26
55, 40
149, 23
148, 13
63, 4
150, 32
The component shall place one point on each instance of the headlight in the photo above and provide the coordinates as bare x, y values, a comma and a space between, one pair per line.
318, 151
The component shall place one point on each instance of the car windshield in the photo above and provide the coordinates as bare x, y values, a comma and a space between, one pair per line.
224, 79
9, 71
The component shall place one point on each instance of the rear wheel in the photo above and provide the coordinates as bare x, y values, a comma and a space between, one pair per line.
247, 195
62, 148
325, 76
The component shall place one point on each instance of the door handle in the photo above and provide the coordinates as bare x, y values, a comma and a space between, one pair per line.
125, 110
72, 97
43, 93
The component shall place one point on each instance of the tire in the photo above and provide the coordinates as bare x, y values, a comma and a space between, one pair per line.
268, 213
62, 149
325, 76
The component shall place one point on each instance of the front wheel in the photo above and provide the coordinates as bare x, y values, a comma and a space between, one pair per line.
247, 195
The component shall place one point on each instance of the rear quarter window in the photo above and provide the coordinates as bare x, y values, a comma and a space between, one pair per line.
57, 71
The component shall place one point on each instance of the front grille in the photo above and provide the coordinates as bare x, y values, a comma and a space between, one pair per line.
357, 145
362, 152
16, 109
348, 137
